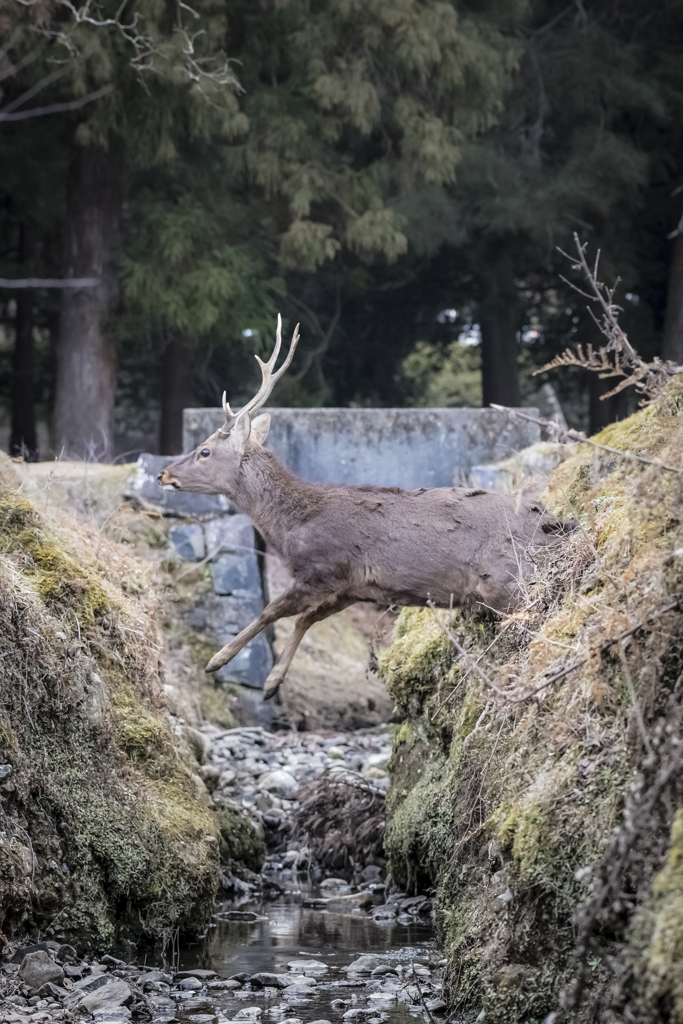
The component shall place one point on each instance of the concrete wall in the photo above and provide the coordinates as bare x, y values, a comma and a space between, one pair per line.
386, 447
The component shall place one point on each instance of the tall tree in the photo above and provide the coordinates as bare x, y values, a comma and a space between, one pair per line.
129, 90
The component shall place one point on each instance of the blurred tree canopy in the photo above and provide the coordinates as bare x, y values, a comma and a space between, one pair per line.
397, 174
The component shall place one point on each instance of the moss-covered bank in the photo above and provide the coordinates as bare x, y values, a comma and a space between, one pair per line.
106, 831
550, 826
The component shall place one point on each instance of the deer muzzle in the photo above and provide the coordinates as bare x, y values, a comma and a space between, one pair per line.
166, 479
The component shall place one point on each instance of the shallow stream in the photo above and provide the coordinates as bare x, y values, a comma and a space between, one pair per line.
287, 931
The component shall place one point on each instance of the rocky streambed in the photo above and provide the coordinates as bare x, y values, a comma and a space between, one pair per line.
292, 944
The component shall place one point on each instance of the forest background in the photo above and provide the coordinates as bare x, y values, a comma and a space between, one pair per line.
396, 174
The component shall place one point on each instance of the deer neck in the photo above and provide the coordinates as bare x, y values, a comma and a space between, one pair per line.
274, 499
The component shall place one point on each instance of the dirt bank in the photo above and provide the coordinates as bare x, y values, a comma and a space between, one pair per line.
544, 808
107, 832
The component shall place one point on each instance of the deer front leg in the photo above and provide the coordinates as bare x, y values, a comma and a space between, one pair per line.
292, 601
302, 624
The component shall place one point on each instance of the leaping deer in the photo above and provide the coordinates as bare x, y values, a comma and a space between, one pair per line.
442, 546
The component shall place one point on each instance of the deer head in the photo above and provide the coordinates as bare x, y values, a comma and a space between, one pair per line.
214, 466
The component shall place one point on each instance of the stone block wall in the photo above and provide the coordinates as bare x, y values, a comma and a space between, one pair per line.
385, 447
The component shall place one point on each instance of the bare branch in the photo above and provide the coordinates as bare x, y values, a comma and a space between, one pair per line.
617, 358
577, 435
49, 282
58, 108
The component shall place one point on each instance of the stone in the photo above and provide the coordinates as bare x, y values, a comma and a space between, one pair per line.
52, 991
5, 770
236, 574
376, 773
37, 969
190, 984
114, 993
309, 968
382, 971
188, 541
230, 534
334, 883
361, 900
372, 873
112, 1015
149, 492
153, 978
280, 783
66, 953
248, 1013
250, 667
336, 753
46, 947
365, 964
263, 979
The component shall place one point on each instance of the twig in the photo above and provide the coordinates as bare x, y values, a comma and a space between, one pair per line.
577, 435
621, 650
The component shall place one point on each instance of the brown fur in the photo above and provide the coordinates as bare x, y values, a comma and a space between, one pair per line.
441, 546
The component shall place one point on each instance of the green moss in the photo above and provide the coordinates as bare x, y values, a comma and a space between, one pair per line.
124, 846
657, 935
239, 839
414, 665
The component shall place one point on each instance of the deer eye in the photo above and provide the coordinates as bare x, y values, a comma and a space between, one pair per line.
205, 452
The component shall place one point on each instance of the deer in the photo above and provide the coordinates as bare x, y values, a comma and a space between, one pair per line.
444, 547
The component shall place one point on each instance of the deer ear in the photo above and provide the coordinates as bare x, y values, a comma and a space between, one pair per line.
260, 428
239, 435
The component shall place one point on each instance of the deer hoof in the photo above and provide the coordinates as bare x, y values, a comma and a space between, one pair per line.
271, 688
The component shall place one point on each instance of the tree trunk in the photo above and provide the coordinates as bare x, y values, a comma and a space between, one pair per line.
86, 359
672, 342
498, 316
176, 389
23, 438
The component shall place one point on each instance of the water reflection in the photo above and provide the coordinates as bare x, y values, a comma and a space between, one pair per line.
289, 931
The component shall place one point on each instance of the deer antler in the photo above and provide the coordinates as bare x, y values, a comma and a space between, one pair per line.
269, 381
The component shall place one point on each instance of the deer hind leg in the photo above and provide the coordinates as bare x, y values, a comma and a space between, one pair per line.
292, 601
303, 623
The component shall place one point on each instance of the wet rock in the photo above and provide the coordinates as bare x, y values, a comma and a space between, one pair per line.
385, 912
334, 883
339, 1004
264, 979
248, 1013
114, 992
382, 970
309, 968
197, 972
190, 984
365, 964
38, 968
362, 900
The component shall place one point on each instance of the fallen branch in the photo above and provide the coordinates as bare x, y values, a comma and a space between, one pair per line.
578, 435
